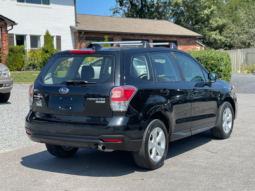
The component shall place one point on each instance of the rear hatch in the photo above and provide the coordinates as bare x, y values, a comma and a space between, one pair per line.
75, 88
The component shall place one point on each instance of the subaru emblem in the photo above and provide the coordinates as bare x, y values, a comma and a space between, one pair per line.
63, 90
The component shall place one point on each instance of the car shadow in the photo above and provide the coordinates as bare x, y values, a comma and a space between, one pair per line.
5, 103
90, 162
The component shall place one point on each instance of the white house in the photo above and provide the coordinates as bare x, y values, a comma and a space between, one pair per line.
34, 17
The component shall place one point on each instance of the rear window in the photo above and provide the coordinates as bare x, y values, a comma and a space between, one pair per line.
97, 69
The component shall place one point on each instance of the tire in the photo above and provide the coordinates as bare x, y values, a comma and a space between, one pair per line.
4, 97
61, 151
144, 158
224, 129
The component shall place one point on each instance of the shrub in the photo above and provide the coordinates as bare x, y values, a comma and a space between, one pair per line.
215, 61
48, 49
106, 40
33, 60
248, 68
15, 59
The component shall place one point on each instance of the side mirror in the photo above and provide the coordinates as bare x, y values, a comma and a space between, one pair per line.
212, 77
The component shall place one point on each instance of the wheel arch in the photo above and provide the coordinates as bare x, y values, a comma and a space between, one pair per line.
161, 116
231, 101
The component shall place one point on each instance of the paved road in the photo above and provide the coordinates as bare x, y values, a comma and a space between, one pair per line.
244, 83
195, 163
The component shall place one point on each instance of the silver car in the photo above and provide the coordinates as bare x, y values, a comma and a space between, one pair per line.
6, 83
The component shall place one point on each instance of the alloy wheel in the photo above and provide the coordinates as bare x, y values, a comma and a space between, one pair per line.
227, 120
157, 144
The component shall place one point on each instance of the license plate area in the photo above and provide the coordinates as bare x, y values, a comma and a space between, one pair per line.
66, 103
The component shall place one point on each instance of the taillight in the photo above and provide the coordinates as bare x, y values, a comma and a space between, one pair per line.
82, 51
31, 94
121, 97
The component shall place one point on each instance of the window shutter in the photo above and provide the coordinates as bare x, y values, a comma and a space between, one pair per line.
58, 38
11, 39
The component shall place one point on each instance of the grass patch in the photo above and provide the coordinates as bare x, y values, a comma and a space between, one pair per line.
24, 76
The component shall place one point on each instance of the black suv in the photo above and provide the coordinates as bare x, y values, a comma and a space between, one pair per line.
134, 98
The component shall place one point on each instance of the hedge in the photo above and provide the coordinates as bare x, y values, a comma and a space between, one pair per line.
15, 59
215, 61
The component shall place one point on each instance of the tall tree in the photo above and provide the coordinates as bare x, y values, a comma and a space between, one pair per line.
150, 9
200, 16
240, 33
48, 48
223, 23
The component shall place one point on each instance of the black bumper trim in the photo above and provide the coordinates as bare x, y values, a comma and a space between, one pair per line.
127, 144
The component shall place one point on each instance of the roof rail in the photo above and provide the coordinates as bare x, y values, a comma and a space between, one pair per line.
145, 44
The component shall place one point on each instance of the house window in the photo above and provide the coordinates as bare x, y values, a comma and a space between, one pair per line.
42, 2
35, 41
21, 40
198, 48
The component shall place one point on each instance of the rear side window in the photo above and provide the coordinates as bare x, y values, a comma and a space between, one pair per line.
165, 68
140, 68
97, 69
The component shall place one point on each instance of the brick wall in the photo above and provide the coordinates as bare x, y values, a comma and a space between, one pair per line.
200, 46
183, 43
4, 41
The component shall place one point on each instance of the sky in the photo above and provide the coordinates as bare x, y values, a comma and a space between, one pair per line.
95, 7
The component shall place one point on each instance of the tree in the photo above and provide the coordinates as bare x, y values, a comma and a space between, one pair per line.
150, 9
48, 48
223, 23
202, 17
241, 33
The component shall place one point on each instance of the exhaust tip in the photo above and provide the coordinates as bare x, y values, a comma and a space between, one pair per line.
103, 148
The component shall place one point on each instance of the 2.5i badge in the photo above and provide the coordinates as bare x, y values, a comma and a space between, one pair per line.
39, 103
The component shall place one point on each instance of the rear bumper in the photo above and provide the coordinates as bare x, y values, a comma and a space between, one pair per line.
85, 136
6, 85
88, 142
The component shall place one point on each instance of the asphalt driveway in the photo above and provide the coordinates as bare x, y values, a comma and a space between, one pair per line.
195, 163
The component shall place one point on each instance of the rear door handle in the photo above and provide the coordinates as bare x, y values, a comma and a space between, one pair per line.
164, 91
194, 91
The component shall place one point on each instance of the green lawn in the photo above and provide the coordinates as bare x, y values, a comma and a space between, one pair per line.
24, 76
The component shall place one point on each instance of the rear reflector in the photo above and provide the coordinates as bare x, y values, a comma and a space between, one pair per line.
113, 140
31, 94
82, 51
29, 133
121, 97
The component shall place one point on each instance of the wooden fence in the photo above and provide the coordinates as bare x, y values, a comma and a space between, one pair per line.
241, 56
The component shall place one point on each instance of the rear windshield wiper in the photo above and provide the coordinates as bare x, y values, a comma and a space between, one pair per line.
75, 82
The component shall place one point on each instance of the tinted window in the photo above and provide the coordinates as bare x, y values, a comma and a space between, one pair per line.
190, 69
140, 68
96, 69
165, 68
205, 75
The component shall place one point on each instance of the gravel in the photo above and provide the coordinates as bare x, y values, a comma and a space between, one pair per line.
12, 119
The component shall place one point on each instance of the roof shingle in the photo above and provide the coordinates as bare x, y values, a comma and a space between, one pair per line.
120, 25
